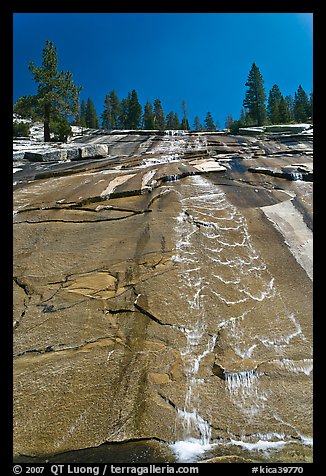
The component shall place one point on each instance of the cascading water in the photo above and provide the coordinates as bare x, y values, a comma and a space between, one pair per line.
218, 263
296, 176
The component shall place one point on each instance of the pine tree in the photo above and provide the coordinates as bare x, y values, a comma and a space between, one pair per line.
209, 123
301, 109
172, 121
255, 96
275, 112
184, 123
244, 118
176, 122
57, 95
284, 112
122, 117
134, 111
110, 114
273, 104
148, 117
106, 114
159, 119
289, 102
83, 109
228, 121
197, 124
91, 115
27, 108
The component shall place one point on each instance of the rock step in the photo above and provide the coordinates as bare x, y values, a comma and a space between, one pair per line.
72, 153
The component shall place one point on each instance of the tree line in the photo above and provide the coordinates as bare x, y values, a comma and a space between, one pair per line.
128, 114
57, 99
277, 110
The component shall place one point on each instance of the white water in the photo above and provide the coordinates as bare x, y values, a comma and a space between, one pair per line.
296, 176
218, 263
189, 450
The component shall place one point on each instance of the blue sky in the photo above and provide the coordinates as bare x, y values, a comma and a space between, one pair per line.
202, 58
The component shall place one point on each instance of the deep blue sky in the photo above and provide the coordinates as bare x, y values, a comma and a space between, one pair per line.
202, 58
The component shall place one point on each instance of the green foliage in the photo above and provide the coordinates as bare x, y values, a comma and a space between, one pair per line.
289, 103
134, 113
255, 96
235, 126
122, 118
148, 117
209, 123
185, 124
60, 129
278, 108
172, 121
228, 121
27, 108
82, 114
91, 115
284, 113
159, 118
273, 104
301, 107
21, 129
197, 124
110, 114
57, 95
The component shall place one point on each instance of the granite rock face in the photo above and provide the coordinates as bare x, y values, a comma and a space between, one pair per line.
155, 298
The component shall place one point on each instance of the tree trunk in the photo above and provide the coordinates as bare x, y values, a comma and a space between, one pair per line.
47, 109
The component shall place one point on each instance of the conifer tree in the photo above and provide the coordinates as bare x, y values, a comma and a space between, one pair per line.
159, 118
273, 104
148, 117
172, 121
184, 123
27, 108
106, 114
176, 122
122, 114
83, 109
91, 115
228, 121
110, 114
209, 123
284, 112
301, 108
197, 124
57, 95
255, 96
289, 102
244, 118
134, 111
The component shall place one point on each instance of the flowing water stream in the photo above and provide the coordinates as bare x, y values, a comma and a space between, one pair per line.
218, 263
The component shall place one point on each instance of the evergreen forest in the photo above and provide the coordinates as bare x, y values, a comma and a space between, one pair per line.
58, 106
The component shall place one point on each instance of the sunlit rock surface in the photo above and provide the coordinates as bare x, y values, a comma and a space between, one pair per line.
163, 293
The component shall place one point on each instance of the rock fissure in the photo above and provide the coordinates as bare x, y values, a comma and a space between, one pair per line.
154, 318
28, 292
56, 348
57, 220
